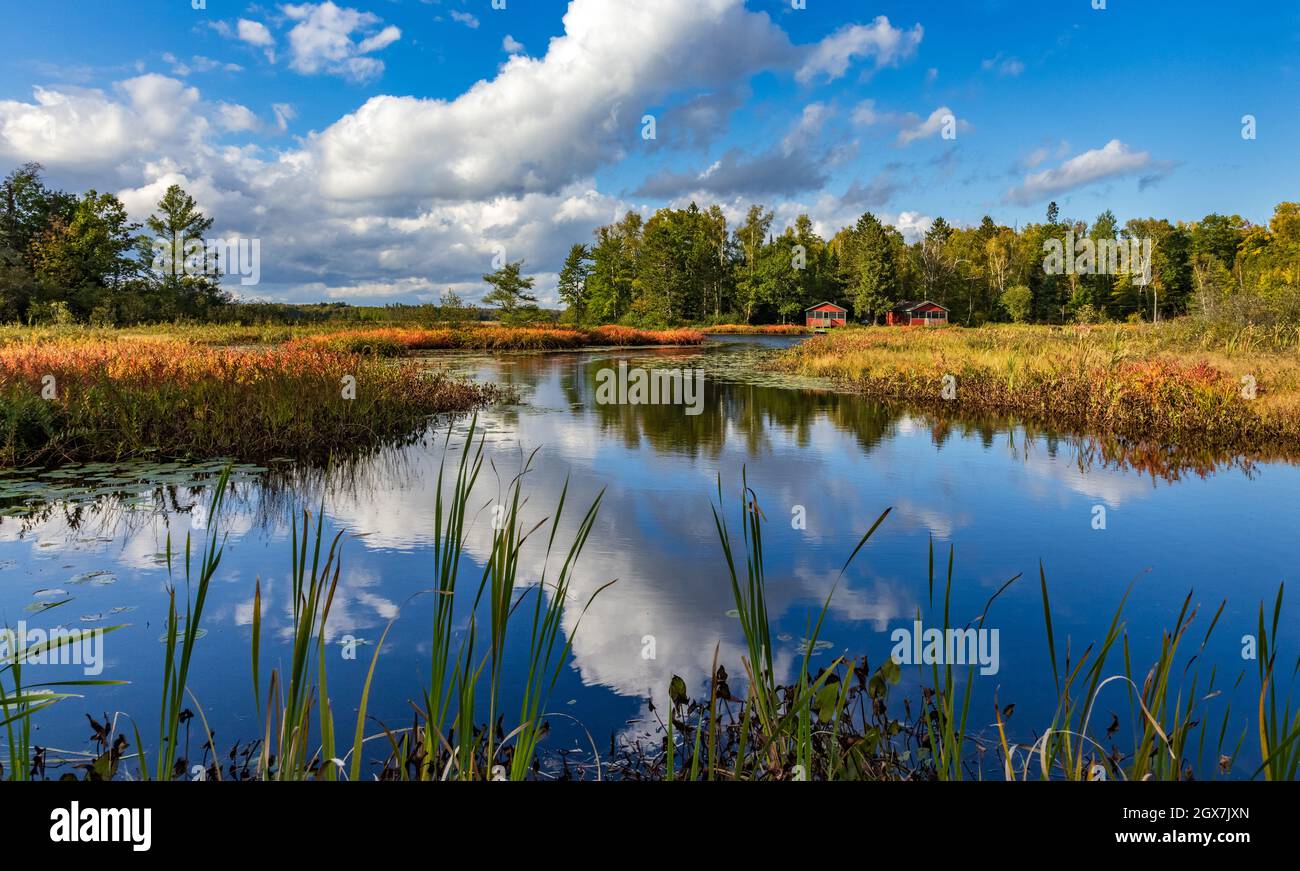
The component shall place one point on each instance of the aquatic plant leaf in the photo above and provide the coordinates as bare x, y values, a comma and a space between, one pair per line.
677, 690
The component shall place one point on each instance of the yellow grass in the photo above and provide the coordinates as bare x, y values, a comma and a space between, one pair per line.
1175, 382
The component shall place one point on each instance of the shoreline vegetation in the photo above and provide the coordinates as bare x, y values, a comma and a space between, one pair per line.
840, 722
78, 258
89, 400
1175, 384
1181, 388
75, 394
394, 341
384, 339
756, 330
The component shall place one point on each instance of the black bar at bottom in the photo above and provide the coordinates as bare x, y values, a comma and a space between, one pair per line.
274, 820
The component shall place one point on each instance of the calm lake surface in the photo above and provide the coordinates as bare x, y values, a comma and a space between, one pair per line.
1003, 499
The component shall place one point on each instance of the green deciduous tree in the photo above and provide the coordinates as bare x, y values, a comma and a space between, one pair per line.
1019, 303
87, 258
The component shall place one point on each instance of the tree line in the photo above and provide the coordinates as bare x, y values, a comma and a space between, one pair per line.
687, 266
79, 258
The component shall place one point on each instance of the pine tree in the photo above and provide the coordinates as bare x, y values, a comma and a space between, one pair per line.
573, 282
511, 293
175, 245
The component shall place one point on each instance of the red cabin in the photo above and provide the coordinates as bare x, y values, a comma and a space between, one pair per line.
917, 313
826, 314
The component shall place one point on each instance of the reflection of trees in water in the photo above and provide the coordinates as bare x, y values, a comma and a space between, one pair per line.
752, 410
284, 493
1163, 462
117, 514
666, 428
1168, 463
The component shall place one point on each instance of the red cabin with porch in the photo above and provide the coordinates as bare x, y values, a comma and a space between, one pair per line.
826, 314
917, 313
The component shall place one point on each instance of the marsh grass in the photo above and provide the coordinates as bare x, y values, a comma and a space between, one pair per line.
1171, 384
376, 338
756, 330
776, 732
183, 631
134, 398
1279, 737
1169, 709
214, 335
394, 341
299, 739
20, 702
286, 743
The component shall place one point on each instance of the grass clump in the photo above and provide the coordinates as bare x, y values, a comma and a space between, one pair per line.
756, 330
1166, 384
393, 341
299, 739
104, 400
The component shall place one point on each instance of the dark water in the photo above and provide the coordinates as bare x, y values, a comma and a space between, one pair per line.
1005, 499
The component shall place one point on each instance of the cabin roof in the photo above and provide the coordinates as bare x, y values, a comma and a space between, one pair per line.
908, 305
831, 304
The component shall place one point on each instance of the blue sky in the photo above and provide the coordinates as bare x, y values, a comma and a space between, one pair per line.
384, 150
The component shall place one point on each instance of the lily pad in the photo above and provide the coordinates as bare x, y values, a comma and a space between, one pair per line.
99, 578
817, 647
39, 607
180, 634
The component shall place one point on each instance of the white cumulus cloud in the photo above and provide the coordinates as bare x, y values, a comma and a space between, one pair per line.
90, 130
880, 40
938, 120
544, 122
255, 33
235, 118
322, 40
1114, 160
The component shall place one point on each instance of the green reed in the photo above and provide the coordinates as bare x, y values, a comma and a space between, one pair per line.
1279, 737
784, 727
802, 729
291, 697
24, 700
446, 743
183, 632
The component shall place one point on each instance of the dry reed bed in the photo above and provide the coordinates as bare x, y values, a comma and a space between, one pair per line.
90, 399
1165, 384
392, 341
756, 330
